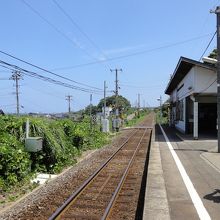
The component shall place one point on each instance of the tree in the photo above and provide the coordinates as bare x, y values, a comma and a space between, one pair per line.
213, 54
123, 104
94, 110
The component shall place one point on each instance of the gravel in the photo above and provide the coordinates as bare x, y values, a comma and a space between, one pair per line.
44, 200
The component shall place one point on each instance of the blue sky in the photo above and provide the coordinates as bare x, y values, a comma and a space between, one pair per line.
88, 38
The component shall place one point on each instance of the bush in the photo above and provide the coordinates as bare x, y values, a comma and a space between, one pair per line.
63, 141
14, 161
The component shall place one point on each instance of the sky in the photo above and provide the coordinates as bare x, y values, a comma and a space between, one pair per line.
78, 42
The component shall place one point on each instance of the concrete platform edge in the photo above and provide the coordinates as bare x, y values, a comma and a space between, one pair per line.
156, 204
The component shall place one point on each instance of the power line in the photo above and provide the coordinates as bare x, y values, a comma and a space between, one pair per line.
4, 78
9, 105
78, 27
208, 45
201, 91
55, 28
40, 68
6, 95
38, 76
217, 2
136, 53
34, 104
142, 87
47, 93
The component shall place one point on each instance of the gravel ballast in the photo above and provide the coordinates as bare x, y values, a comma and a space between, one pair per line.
44, 200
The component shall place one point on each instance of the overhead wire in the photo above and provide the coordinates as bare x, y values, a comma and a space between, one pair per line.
78, 27
4, 78
208, 45
34, 104
217, 2
201, 91
13, 67
6, 95
56, 29
8, 105
47, 93
47, 71
141, 87
136, 53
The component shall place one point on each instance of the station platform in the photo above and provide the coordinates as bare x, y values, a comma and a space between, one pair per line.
183, 179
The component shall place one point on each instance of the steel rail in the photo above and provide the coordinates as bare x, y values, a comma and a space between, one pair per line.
117, 190
86, 182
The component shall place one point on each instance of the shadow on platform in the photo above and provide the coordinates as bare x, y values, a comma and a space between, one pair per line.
215, 196
210, 136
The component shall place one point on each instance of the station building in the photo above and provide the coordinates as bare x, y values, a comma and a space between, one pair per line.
193, 97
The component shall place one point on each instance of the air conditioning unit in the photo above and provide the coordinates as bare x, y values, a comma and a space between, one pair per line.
209, 60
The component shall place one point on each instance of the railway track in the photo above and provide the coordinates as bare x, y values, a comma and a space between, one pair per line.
113, 191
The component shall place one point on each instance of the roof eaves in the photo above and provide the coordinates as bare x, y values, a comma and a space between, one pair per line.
191, 64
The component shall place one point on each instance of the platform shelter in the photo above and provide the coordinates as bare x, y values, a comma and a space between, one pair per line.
193, 97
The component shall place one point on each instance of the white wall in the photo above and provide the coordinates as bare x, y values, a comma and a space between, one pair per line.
189, 85
205, 80
198, 80
186, 90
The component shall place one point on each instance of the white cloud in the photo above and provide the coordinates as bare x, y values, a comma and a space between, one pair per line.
124, 49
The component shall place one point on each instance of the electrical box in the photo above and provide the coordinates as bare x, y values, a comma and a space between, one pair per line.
33, 144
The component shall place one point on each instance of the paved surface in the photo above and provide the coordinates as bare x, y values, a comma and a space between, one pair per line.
156, 204
202, 164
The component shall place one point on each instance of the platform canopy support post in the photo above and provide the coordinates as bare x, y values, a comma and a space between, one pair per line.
195, 120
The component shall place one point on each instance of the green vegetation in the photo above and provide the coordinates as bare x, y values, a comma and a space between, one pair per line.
63, 141
124, 105
213, 54
162, 119
137, 118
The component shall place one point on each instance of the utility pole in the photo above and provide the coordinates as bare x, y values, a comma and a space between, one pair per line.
160, 99
105, 87
69, 99
90, 107
138, 105
160, 108
16, 77
116, 90
90, 111
217, 12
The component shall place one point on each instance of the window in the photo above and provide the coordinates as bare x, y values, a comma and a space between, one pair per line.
179, 110
180, 87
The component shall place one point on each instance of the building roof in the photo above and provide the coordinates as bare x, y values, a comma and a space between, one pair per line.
183, 67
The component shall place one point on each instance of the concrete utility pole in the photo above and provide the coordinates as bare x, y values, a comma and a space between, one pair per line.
217, 12
90, 111
105, 87
69, 99
116, 90
16, 77
90, 107
138, 105
160, 99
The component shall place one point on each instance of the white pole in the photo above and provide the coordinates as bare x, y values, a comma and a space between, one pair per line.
27, 128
